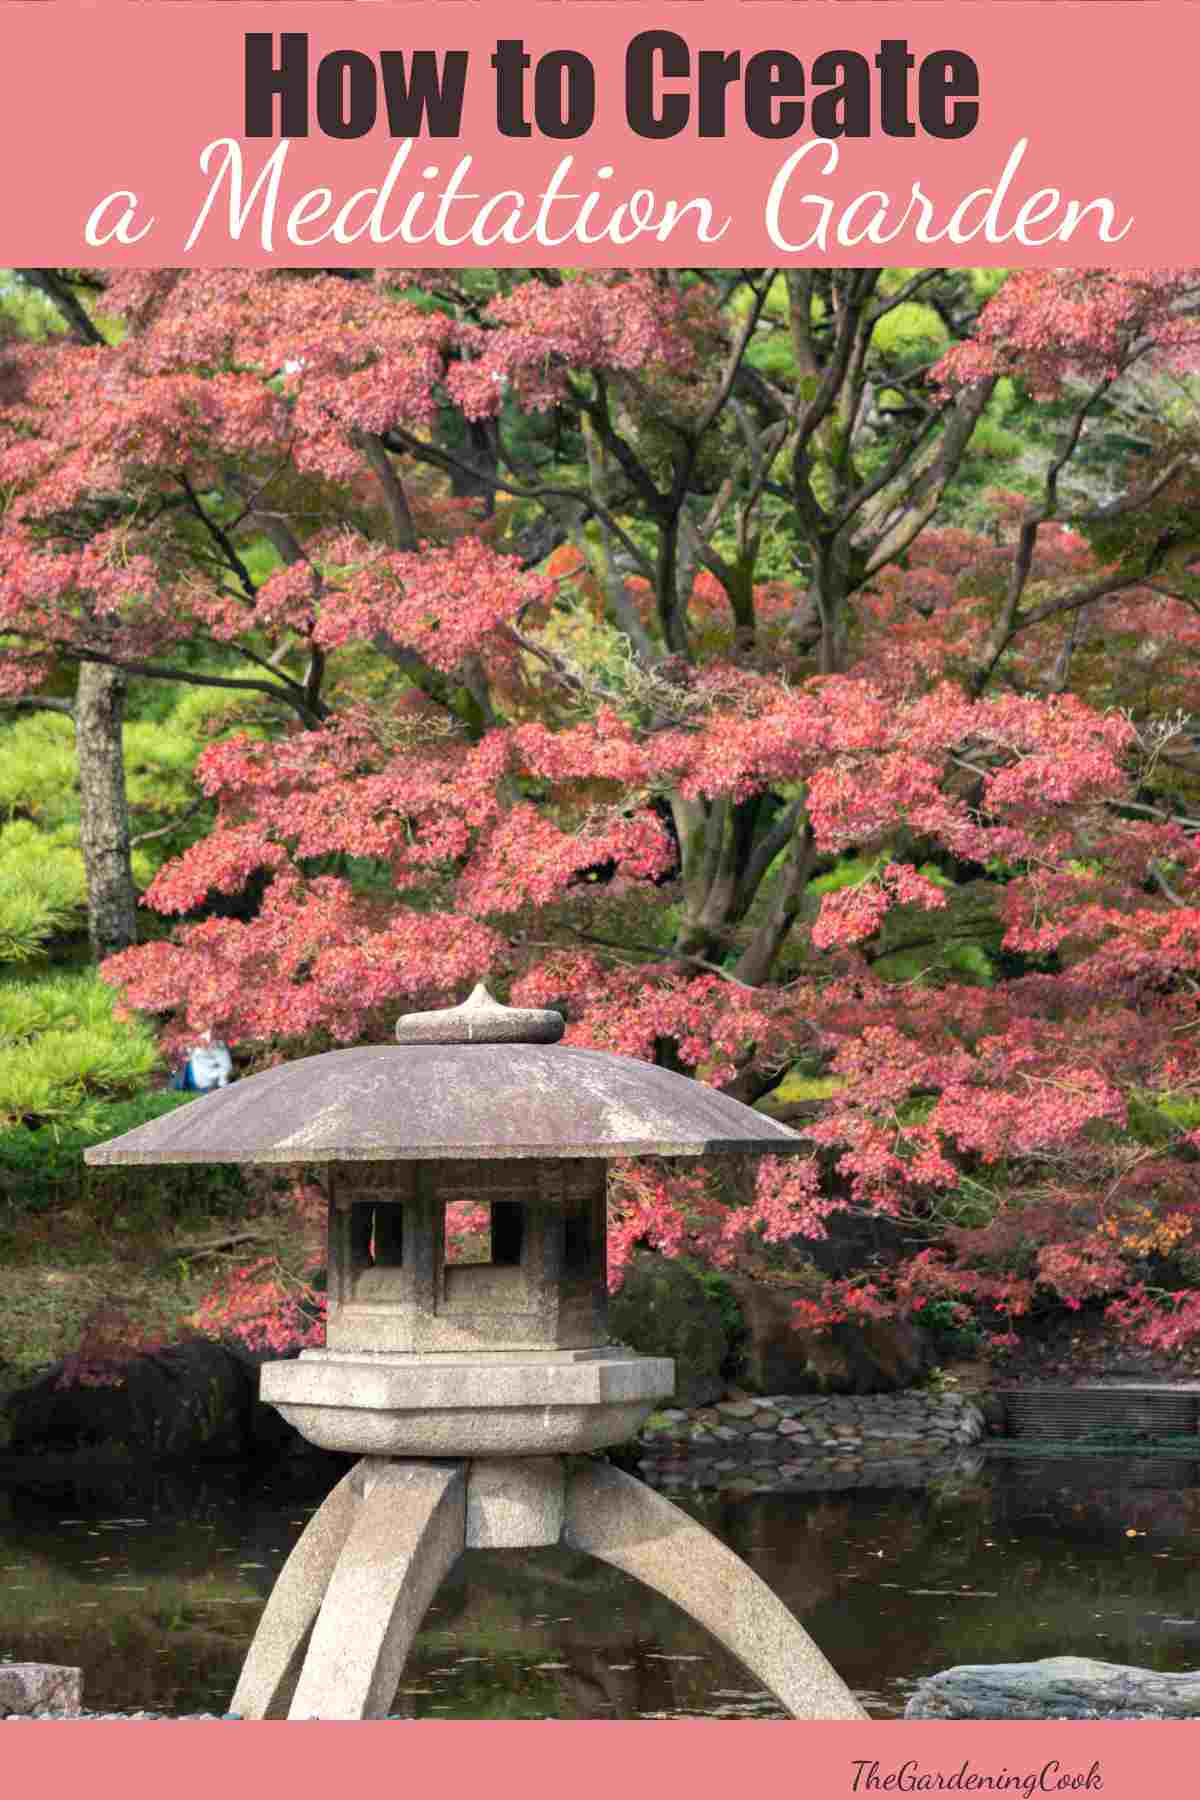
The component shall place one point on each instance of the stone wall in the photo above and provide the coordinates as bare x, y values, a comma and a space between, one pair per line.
812, 1441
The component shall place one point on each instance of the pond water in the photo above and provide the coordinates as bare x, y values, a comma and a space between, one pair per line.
154, 1590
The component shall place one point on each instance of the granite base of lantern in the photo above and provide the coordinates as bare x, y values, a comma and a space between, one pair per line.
336, 1632
535, 1403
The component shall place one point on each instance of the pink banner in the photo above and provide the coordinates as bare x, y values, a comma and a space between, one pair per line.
592, 1760
590, 132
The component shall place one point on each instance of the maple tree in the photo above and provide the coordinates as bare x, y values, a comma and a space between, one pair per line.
612, 637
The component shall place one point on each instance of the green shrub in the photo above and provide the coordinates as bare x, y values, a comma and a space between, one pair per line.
717, 1289
951, 1332
73, 1075
200, 713
663, 1308
39, 770
39, 795
43, 1169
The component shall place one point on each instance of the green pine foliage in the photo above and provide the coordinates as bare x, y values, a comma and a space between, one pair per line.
39, 778
42, 893
43, 1169
64, 1053
72, 1074
38, 768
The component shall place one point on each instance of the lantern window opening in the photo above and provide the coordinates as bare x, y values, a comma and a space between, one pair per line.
377, 1235
494, 1264
483, 1233
388, 1239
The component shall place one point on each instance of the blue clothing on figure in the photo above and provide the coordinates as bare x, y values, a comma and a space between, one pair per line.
209, 1065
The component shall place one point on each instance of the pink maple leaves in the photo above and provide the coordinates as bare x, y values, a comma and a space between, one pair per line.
680, 1212
536, 335
855, 914
1051, 324
444, 603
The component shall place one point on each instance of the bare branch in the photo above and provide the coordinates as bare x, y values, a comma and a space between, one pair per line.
220, 537
291, 695
58, 291
148, 837
404, 532
36, 703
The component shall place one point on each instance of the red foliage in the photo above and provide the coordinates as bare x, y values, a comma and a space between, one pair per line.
1049, 325
108, 1340
441, 795
263, 1308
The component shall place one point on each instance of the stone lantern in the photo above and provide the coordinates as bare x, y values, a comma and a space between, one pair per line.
472, 1393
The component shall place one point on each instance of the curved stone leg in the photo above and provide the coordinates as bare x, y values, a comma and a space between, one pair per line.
408, 1530
620, 1520
270, 1670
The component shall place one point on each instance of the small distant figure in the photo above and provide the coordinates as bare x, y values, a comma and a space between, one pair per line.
209, 1065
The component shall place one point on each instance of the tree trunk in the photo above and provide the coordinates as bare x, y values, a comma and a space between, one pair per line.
104, 810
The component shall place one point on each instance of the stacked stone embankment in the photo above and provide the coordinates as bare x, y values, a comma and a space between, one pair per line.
812, 1441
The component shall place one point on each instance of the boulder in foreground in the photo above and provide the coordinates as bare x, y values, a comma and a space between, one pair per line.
195, 1400
1059, 1687
39, 1687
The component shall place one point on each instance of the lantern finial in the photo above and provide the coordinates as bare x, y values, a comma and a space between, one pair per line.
481, 1020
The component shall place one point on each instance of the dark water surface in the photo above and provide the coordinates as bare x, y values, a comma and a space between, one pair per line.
154, 1590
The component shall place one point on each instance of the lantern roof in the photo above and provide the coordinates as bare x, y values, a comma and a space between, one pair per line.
478, 1081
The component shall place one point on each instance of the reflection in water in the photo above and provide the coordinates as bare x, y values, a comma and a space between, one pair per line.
154, 1590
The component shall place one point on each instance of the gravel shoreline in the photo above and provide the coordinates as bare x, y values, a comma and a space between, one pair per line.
14, 1718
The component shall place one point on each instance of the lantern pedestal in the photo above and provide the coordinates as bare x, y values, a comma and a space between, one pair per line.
538, 1403
341, 1619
